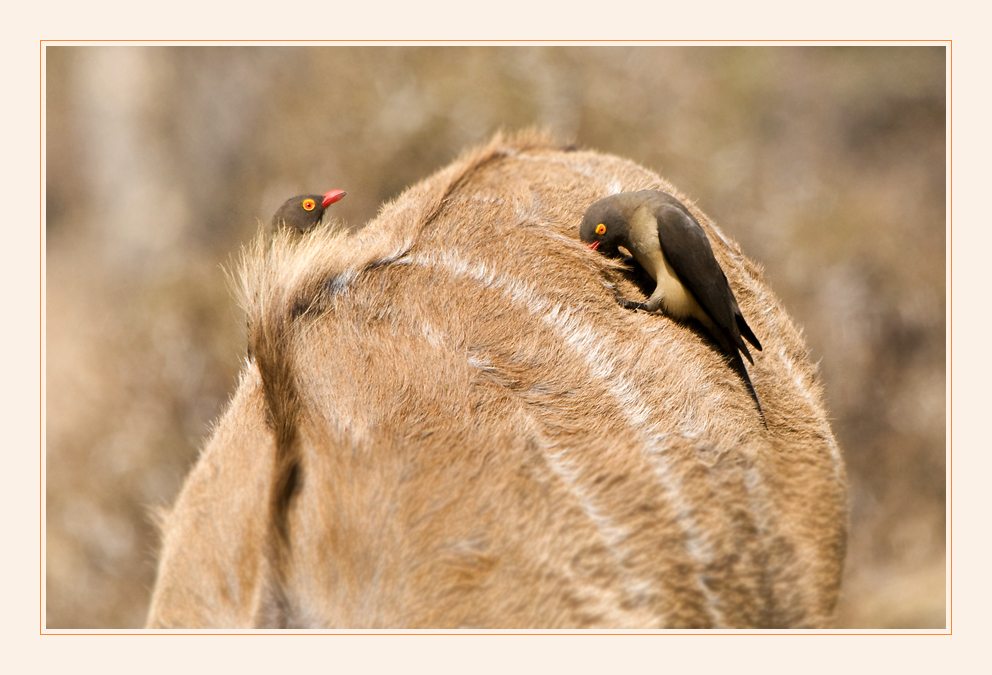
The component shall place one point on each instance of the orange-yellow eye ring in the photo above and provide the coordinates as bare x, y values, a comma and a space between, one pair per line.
601, 229
309, 205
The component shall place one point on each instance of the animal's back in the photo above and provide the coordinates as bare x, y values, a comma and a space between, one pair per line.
451, 423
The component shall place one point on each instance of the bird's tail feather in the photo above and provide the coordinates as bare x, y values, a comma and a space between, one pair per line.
737, 364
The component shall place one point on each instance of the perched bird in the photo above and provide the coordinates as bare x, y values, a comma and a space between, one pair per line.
671, 246
305, 211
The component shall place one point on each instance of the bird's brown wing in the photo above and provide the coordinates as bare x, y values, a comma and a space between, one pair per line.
689, 253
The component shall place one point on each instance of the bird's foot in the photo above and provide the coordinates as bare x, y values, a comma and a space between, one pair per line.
630, 304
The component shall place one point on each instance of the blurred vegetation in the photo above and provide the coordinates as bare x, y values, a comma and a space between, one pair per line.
826, 163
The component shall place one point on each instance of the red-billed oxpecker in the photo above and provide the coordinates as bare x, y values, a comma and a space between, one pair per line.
305, 211
671, 246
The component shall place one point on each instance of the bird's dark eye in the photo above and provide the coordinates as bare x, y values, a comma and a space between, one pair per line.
309, 204
601, 229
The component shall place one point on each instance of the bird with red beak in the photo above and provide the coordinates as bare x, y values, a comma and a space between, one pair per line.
305, 212
667, 241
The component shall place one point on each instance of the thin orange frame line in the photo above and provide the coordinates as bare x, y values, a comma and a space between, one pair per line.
950, 375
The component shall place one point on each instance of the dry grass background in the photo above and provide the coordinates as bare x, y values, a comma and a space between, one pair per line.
827, 164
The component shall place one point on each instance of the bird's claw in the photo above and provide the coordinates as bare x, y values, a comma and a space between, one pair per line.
630, 304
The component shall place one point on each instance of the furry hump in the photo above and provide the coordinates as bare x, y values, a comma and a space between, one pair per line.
446, 421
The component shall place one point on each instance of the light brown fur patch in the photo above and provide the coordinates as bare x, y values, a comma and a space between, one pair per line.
449, 422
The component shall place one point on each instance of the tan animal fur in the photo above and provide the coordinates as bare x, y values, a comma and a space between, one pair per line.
447, 421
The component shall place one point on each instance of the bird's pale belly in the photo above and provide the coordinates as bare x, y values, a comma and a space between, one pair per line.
670, 295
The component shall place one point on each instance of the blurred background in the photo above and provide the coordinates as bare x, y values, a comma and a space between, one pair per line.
827, 164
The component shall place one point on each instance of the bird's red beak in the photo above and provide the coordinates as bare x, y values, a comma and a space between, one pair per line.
331, 197
594, 246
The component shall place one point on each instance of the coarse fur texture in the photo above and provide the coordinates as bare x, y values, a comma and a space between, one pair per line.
447, 421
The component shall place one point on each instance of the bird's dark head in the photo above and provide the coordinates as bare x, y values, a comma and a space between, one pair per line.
604, 226
305, 212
